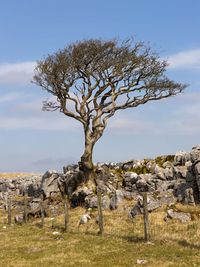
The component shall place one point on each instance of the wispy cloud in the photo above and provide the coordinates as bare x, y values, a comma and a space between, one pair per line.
17, 73
178, 118
54, 161
22, 72
9, 97
189, 59
40, 122
130, 124
26, 113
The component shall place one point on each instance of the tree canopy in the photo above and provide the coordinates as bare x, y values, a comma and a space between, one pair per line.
92, 79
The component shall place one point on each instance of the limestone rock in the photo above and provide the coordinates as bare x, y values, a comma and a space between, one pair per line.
49, 183
69, 182
129, 181
197, 176
152, 204
91, 201
195, 154
105, 202
181, 158
78, 198
136, 210
145, 183
72, 167
139, 261
35, 203
168, 172
184, 192
159, 172
181, 216
19, 219
116, 199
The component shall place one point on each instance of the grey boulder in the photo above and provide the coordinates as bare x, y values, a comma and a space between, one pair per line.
181, 216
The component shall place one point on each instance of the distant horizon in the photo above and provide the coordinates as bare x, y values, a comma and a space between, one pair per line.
106, 162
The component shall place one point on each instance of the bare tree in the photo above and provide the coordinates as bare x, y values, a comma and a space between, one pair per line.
93, 79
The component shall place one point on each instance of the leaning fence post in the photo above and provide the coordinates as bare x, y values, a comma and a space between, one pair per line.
25, 207
100, 213
42, 211
9, 210
66, 212
146, 217
6, 201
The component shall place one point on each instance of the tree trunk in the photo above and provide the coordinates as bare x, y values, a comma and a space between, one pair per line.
86, 164
91, 137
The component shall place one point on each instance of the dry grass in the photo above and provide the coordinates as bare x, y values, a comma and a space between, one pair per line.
173, 243
11, 175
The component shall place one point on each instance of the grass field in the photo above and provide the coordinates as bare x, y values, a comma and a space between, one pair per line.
172, 243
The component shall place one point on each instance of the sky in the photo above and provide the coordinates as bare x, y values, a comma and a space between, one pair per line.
32, 140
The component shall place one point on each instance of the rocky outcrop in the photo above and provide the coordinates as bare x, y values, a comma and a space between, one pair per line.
197, 176
180, 175
20, 185
177, 177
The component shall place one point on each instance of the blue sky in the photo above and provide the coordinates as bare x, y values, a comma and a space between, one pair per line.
32, 140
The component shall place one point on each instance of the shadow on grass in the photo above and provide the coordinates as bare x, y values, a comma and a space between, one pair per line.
185, 243
61, 229
131, 239
39, 225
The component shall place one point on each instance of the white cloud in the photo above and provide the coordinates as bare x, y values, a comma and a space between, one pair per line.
180, 117
189, 59
9, 97
130, 124
30, 106
40, 122
27, 113
22, 72
17, 73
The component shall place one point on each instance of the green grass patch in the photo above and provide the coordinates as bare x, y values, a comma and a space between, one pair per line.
173, 243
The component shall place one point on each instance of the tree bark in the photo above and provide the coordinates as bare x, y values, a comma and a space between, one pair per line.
86, 164
91, 137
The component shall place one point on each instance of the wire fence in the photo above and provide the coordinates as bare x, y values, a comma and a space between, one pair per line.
116, 222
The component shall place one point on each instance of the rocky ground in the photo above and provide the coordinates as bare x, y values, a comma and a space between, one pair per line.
167, 179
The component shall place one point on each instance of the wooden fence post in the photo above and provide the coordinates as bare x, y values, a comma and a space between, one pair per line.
9, 210
100, 213
66, 212
146, 217
25, 207
6, 201
42, 211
